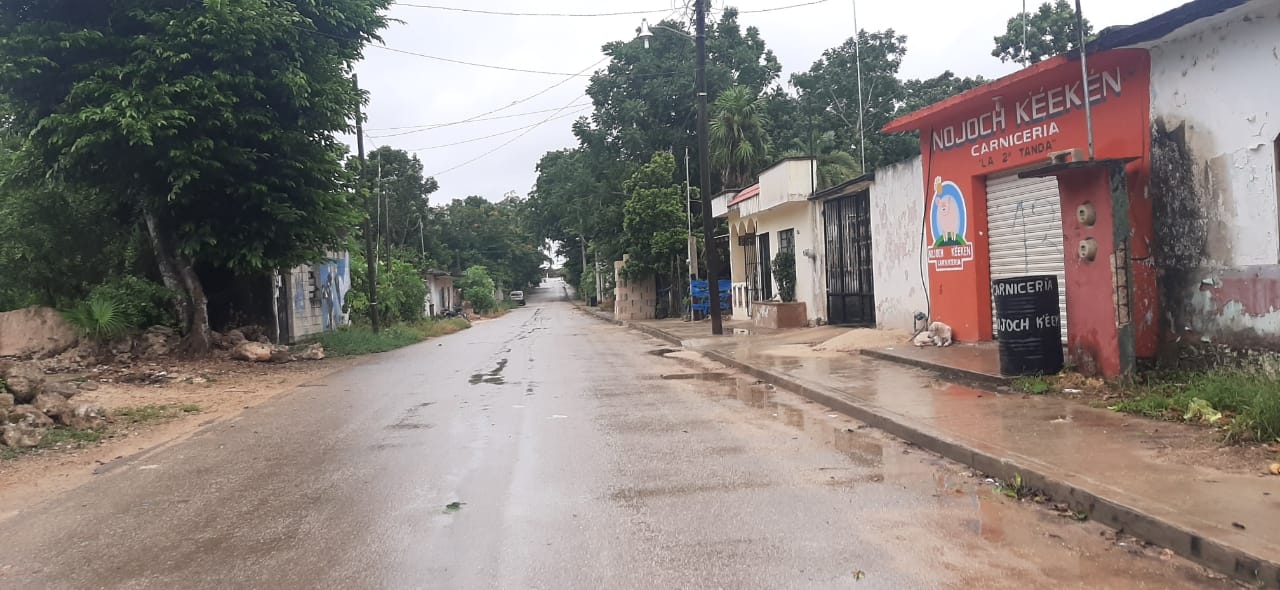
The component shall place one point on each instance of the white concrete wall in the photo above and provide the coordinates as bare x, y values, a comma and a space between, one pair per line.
1221, 78
787, 181
897, 243
796, 216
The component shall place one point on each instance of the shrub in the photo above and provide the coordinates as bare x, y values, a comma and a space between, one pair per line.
477, 288
99, 318
142, 303
401, 291
784, 272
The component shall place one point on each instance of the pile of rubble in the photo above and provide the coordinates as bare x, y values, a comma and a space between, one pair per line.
31, 403
260, 349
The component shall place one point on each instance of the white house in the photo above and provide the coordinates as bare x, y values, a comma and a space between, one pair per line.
772, 218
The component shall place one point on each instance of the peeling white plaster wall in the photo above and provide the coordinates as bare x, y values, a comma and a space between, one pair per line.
1221, 78
897, 216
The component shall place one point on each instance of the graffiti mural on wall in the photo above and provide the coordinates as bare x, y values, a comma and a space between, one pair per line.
949, 226
333, 280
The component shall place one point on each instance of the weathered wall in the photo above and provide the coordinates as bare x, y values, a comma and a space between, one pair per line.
897, 244
633, 300
316, 295
1214, 128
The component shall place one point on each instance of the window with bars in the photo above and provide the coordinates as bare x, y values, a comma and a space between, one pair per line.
787, 241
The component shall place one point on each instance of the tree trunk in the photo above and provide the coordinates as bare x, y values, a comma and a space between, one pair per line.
198, 340
168, 269
179, 276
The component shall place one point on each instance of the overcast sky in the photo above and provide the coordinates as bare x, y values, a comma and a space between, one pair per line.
408, 90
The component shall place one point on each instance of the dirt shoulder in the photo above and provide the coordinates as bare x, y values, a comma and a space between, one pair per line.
152, 404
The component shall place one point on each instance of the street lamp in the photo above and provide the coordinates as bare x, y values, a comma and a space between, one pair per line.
704, 166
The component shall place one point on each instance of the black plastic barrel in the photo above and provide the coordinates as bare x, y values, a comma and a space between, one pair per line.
1029, 325
592, 301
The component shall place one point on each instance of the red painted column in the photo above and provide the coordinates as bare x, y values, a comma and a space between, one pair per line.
1093, 344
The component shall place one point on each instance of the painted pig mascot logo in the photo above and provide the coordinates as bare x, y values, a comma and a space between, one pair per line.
948, 219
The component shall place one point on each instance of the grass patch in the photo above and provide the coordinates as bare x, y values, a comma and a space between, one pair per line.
1245, 406
1036, 385
154, 413
358, 340
58, 435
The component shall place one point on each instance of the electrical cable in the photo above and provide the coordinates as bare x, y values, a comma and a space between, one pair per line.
430, 126
588, 14
499, 134
505, 143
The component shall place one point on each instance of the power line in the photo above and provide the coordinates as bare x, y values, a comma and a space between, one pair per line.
474, 64
555, 14
505, 143
777, 8
431, 126
500, 133
588, 14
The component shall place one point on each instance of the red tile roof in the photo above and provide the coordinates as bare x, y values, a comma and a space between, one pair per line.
746, 193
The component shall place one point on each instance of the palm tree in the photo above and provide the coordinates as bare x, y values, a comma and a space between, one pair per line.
834, 165
739, 143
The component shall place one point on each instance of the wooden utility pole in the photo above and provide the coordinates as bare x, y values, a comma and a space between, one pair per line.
370, 253
704, 173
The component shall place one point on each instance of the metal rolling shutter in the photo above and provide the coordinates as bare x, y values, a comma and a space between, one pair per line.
1024, 225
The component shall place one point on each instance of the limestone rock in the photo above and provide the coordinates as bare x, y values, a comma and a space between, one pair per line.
6, 402
253, 352
39, 332
29, 415
83, 416
21, 436
281, 354
24, 381
314, 352
235, 338
51, 404
158, 341
63, 388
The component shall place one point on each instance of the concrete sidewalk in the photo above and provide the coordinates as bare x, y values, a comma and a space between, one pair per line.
1099, 462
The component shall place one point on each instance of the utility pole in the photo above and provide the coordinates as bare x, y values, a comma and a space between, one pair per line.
704, 173
370, 254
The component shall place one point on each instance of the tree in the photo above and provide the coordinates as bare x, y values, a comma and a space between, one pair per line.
478, 232
477, 288
644, 99
655, 225
834, 165
215, 120
923, 93
1050, 31
829, 91
402, 194
738, 140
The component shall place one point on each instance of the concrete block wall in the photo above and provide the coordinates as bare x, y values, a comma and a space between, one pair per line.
633, 300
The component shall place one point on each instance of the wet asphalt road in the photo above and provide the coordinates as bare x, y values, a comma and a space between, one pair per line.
582, 456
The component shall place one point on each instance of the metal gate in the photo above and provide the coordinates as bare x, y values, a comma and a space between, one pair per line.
1024, 223
748, 244
850, 293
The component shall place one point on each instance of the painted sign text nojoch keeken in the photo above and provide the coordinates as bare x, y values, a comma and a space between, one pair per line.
1034, 126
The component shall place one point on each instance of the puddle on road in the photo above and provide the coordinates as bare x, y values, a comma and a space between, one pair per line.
696, 376
493, 377
662, 351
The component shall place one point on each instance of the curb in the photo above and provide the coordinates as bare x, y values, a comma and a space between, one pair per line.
963, 376
1210, 553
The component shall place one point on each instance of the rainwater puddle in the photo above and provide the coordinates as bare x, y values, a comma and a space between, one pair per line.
662, 351
696, 376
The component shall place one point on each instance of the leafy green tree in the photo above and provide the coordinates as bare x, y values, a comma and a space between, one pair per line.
655, 225
738, 140
478, 232
478, 288
830, 89
922, 93
834, 165
1050, 30
215, 120
402, 207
